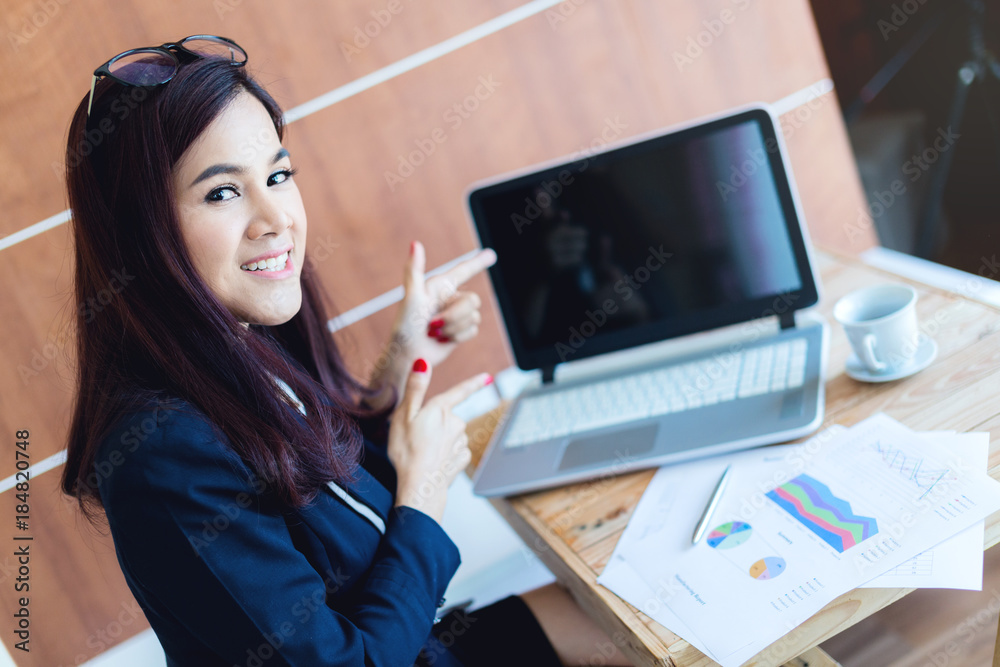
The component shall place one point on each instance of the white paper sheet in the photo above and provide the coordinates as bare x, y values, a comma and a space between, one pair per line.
772, 566
958, 561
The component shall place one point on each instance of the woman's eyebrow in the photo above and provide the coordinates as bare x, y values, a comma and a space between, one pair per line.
282, 152
217, 169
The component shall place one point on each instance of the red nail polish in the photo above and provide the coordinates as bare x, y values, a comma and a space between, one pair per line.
489, 380
420, 366
437, 324
443, 339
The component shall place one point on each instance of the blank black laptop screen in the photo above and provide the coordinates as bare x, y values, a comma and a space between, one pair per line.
673, 235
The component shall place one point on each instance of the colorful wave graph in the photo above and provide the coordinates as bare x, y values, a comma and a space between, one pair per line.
831, 518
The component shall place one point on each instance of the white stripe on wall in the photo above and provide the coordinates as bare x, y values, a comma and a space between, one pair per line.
802, 97
419, 58
35, 229
34, 471
386, 299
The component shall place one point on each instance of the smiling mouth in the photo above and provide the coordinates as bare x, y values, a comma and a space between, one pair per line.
270, 264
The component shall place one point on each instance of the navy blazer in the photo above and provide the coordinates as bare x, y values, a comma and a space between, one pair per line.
227, 575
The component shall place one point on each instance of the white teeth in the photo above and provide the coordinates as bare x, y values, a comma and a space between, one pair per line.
270, 264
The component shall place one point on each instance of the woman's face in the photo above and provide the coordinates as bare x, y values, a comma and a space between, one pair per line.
241, 214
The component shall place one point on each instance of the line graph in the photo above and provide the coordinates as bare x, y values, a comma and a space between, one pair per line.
912, 468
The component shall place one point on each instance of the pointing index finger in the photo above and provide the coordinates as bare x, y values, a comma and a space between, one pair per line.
461, 391
462, 271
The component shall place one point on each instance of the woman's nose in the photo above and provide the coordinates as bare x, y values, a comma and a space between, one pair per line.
268, 216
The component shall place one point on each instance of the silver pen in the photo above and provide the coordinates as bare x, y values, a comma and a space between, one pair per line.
710, 509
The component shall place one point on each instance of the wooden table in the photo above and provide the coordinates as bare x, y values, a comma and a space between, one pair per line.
574, 529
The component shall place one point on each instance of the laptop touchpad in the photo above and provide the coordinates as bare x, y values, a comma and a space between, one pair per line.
607, 447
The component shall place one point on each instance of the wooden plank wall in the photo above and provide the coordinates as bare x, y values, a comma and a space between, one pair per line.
560, 79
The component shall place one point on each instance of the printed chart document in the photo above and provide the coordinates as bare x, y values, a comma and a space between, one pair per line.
797, 527
958, 561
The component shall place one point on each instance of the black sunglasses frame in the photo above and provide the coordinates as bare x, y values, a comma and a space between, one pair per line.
173, 50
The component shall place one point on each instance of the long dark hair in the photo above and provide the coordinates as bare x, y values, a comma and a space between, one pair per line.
148, 328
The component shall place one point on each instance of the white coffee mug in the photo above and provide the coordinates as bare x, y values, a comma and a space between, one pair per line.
881, 325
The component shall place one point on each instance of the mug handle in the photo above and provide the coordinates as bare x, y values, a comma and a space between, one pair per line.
868, 352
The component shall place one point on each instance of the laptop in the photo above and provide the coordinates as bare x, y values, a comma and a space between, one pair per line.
659, 289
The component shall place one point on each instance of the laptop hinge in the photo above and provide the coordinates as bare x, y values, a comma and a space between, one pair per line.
787, 320
548, 374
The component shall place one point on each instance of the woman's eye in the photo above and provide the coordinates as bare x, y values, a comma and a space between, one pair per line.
280, 176
222, 193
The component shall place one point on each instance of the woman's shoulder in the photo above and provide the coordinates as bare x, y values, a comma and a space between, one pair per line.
150, 417
162, 445
156, 427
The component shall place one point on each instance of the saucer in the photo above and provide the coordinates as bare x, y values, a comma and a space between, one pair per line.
926, 353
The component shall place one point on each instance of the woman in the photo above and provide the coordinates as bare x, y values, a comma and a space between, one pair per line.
260, 513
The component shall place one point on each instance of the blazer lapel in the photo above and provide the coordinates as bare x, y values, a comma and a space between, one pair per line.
367, 488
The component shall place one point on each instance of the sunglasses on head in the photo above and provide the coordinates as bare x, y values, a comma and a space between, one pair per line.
150, 66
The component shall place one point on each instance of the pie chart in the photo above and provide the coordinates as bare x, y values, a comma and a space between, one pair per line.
767, 568
729, 535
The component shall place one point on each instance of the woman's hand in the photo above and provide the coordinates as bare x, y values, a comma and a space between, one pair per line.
433, 318
428, 445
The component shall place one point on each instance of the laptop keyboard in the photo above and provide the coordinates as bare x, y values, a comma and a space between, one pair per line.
726, 376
